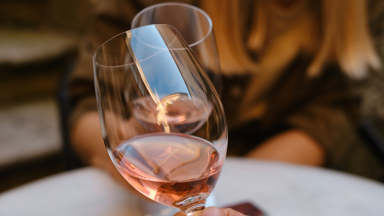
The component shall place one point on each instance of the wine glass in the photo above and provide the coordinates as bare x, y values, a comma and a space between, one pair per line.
162, 120
194, 25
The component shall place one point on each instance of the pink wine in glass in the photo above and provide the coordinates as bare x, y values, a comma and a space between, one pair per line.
176, 170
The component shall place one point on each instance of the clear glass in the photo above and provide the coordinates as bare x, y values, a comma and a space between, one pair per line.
162, 120
196, 28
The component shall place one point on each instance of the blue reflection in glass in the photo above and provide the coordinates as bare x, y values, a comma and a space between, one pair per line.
157, 62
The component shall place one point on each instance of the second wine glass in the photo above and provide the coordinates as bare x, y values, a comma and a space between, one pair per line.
162, 120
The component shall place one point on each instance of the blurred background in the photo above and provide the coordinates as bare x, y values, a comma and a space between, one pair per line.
38, 44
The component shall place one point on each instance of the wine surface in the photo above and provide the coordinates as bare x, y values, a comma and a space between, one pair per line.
172, 169
176, 113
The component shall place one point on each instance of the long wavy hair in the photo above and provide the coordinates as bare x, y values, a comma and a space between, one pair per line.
340, 35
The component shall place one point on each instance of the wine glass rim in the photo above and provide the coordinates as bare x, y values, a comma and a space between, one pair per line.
128, 64
179, 4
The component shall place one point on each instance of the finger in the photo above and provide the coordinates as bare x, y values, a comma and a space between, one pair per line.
214, 211
180, 213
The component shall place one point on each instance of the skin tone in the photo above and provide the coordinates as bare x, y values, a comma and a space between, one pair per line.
213, 211
88, 142
292, 146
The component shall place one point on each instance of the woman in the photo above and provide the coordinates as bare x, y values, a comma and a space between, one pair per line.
293, 77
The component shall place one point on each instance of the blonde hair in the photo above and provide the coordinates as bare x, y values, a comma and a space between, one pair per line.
343, 35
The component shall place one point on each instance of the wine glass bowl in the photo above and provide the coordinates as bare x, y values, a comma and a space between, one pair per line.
194, 25
162, 120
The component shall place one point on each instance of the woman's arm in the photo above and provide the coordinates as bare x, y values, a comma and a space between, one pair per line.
294, 146
88, 142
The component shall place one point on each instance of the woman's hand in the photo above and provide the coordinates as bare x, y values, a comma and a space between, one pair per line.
214, 211
292, 146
